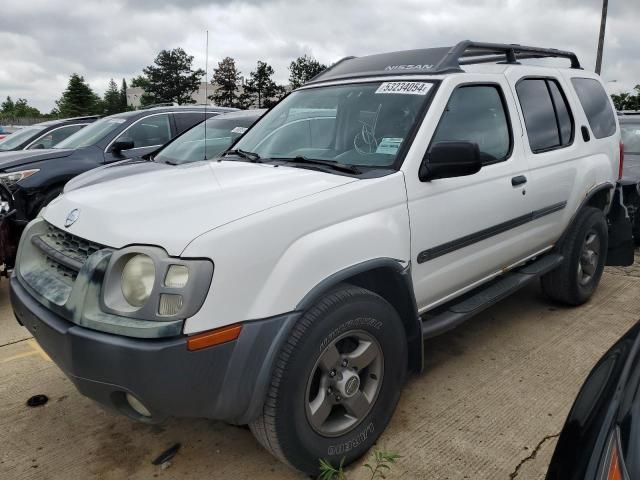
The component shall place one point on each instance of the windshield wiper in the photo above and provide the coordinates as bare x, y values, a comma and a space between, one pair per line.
251, 156
337, 166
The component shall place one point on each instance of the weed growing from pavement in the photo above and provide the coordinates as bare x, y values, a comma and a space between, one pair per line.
381, 465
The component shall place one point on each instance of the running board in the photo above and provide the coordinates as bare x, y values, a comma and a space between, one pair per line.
462, 309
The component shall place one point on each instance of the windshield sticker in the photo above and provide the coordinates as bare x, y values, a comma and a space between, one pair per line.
117, 120
405, 88
389, 146
239, 130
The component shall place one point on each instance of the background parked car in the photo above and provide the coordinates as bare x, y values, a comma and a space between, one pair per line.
3, 133
35, 177
601, 436
45, 134
630, 129
222, 132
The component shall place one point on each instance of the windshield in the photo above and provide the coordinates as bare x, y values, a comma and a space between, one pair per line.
92, 134
358, 124
190, 147
19, 137
630, 137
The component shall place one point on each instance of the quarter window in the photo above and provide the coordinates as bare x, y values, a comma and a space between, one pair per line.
149, 131
546, 114
477, 114
596, 105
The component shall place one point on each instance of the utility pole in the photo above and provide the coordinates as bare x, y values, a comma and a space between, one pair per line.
603, 25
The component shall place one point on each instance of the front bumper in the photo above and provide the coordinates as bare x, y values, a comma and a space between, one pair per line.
226, 382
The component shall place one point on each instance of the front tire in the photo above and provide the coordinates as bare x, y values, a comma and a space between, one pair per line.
584, 250
336, 381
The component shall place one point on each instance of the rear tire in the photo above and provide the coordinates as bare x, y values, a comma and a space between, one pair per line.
584, 250
336, 381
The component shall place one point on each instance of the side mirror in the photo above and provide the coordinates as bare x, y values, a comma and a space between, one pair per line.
450, 159
38, 146
122, 144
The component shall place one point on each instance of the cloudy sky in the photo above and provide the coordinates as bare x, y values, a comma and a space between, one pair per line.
43, 41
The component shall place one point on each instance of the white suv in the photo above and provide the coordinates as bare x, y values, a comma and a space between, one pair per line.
289, 284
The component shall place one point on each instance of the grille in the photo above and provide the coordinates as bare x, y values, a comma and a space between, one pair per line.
70, 246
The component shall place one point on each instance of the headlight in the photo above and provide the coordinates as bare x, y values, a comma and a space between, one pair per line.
11, 178
138, 277
143, 282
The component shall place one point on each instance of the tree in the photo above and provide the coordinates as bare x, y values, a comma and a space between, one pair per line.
260, 90
171, 79
112, 100
139, 81
226, 79
7, 106
627, 100
22, 109
123, 96
19, 108
78, 99
303, 69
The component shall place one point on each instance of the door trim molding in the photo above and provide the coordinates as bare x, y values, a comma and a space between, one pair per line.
453, 245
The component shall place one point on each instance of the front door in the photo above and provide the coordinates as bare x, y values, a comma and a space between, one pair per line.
465, 229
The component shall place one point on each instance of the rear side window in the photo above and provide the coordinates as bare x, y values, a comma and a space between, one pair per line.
546, 114
476, 113
596, 105
184, 121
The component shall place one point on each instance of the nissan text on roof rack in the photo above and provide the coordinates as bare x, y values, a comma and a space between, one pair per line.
289, 284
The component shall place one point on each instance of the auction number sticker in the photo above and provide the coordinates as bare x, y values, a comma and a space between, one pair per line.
405, 88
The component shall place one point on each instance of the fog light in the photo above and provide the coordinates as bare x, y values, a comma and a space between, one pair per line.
137, 405
169, 304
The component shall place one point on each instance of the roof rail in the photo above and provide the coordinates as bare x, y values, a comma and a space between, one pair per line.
430, 61
468, 52
154, 105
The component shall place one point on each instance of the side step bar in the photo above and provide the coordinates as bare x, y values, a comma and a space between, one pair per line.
462, 309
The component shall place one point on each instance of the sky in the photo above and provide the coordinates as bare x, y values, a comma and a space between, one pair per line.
43, 41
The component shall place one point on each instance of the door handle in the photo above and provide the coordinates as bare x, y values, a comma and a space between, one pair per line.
519, 180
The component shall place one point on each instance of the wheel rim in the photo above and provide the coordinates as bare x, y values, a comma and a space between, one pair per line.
589, 257
344, 383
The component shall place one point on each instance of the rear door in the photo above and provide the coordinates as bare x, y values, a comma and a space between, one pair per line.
567, 154
466, 229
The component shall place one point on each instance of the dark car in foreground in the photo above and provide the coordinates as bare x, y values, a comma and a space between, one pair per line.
35, 177
601, 436
630, 129
44, 135
192, 146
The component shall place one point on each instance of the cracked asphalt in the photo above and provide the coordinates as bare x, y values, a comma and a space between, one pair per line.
490, 404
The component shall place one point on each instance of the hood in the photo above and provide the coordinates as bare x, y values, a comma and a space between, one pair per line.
10, 160
631, 168
113, 171
169, 207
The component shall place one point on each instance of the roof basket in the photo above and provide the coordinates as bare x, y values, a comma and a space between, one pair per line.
438, 60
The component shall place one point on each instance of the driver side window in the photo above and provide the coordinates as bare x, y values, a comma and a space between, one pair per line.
150, 131
477, 114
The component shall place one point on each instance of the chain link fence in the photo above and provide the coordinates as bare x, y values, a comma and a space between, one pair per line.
9, 121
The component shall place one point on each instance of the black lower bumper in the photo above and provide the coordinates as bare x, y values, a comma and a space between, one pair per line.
226, 382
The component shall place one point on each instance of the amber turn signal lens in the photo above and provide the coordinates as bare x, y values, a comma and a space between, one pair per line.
614, 465
214, 337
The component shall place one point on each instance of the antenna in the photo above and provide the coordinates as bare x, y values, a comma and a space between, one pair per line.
206, 90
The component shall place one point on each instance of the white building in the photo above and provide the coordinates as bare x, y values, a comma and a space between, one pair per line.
200, 96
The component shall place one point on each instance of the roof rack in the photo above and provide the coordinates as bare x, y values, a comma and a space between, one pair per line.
155, 105
438, 60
